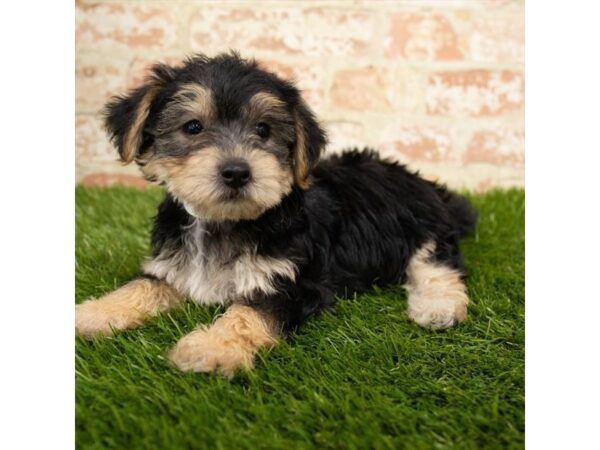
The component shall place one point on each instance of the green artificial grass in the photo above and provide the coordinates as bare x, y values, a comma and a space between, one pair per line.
361, 377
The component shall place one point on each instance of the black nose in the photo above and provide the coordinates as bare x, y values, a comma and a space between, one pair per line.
236, 173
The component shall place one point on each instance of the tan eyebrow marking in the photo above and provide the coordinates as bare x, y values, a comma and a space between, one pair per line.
191, 99
263, 102
197, 99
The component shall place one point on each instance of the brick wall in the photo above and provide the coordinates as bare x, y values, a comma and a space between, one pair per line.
437, 84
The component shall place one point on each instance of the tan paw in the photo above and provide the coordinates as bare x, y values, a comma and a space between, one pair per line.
204, 350
95, 317
438, 313
126, 307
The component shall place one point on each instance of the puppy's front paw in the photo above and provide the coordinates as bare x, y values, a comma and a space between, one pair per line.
91, 320
95, 317
438, 313
204, 350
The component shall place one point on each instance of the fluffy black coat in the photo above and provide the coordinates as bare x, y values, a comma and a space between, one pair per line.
358, 225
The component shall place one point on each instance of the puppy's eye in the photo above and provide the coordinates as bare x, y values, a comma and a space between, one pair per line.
263, 130
192, 127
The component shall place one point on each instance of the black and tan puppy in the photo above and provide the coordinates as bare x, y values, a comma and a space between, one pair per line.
253, 219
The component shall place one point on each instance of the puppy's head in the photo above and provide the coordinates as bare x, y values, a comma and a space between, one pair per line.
227, 139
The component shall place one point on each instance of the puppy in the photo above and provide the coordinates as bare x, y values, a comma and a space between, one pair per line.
254, 220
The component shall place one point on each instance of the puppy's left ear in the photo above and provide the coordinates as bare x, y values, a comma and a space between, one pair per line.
125, 116
310, 142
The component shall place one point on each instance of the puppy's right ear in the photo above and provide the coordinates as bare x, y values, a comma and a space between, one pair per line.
310, 142
125, 116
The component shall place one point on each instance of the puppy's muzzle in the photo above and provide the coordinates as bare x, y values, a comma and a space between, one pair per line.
235, 173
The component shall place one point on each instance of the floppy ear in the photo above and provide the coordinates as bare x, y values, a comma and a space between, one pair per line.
310, 141
125, 116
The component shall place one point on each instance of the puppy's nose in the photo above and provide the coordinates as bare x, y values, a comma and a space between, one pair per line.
235, 173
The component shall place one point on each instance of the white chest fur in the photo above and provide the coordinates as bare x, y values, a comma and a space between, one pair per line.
217, 276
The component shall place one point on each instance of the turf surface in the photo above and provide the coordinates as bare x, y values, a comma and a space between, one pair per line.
362, 377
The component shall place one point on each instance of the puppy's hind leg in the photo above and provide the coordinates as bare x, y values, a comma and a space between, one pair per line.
437, 295
126, 307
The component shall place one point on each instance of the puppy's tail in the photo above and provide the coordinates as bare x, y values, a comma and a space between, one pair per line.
461, 210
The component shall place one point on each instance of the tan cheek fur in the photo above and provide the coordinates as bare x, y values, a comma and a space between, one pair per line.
437, 296
229, 344
126, 307
272, 182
